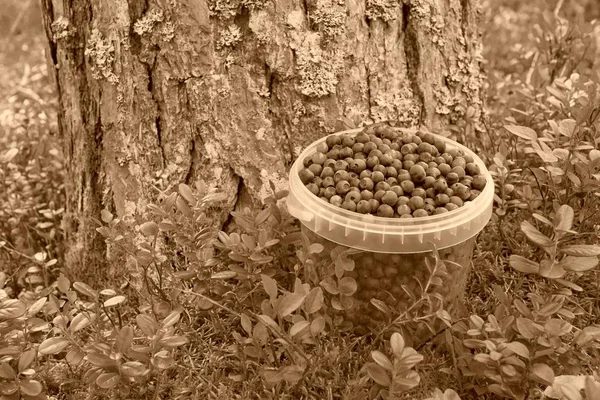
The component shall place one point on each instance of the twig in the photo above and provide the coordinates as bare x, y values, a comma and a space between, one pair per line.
558, 7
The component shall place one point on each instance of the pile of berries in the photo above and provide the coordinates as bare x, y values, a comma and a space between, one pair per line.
393, 174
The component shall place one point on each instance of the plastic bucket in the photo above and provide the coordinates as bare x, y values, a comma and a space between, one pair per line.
393, 250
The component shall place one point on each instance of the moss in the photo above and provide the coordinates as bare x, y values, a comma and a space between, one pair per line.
401, 107
426, 15
386, 10
445, 100
317, 69
223, 9
60, 28
329, 19
101, 55
230, 38
148, 21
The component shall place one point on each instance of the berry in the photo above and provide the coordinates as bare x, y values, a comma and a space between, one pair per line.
379, 195
362, 138
329, 192
358, 148
363, 207
372, 161
365, 174
327, 171
390, 198
440, 145
440, 210
474, 194
456, 200
382, 186
479, 182
452, 178
330, 162
366, 195
341, 176
306, 175
380, 168
342, 187
460, 171
332, 140
328, 181
336, 200
346, 152
391, 172
428, 182
419, 192
407, 164
369, 147
403, 209
451, 206
349, 205
341, 165
366, 184
353, 196
385, 210
403, 175
398, 190
440, 185
417, 173
314, 189
407, 186
472, 169
374, 205
357, 166
377, 176
441, 200
319, 158
406, 216
386, 159
348, 141
430, 193
420, 213
447, 158
416, 203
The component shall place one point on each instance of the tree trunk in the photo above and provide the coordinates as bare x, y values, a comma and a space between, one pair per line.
155, 93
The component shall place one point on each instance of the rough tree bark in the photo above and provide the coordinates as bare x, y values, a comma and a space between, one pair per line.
156, 92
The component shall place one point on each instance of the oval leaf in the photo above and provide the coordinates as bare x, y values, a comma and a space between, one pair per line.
149, 229
53, 345
397, 343
522, 131
519, 348
314, 300
11, 309
30, 387
290, 303
581, 250
26, 359
79, 322
382, 360
542, 373
113, 301
524, 265
578, 264
347, 286
108, 380
85, 289
298, 327
378, 374
535, 235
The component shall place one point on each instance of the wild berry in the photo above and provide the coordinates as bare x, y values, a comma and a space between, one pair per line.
336, 200
390, 198
342, 187
306, 175
349, 205
363, 207
385, 210
420, 213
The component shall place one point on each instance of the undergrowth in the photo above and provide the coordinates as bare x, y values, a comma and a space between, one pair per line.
243, 314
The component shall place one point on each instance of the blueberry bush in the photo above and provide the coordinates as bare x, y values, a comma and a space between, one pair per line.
247, 313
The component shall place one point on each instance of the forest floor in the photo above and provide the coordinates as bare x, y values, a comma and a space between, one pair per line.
527, 48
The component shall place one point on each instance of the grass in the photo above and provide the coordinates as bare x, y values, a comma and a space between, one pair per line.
209, 365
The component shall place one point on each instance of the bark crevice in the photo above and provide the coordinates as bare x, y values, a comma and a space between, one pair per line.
413, 58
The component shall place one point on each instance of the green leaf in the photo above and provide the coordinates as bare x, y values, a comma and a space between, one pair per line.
173, 341
63, 284
557, 327
409, 361
551, 269
26, 359
246, 324
30, 387
314, 300
37, 306
578, 264
186, 192
378, 374
592, 388
347, 286
124, 340
519, 349
581, 250
100, 360
147, 324
53, 345
528, 328
85, 289
133, 368
270, 286
9, 155
522, 131
397, 344
524, 265
411, 380
108, 380
317, 325
292, 373
298, 327
11, 309
106, 216
330, 285
272, 376
171, 319
382, 360
113, 301
563, 221
162, 360
535, 235
542, 373
74, 356
6, 371
290, 303
79, 322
